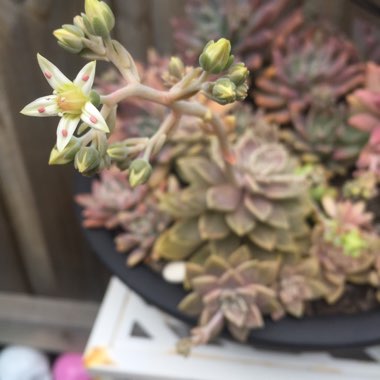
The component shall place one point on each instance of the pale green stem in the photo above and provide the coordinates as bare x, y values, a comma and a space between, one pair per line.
170, 122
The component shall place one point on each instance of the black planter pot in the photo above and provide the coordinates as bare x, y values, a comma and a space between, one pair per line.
309, 333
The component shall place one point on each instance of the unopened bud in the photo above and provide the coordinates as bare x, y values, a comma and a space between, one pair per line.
65, 156
238, 73
70, 38
216, 56
224, 91
176, 67
117, 152
100, 16
242, 91
139, 172
87, 160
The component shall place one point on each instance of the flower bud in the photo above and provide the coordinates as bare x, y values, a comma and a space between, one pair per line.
87, 160
70, 38
241, 91
139, 172
224, 91
100, 16
117, 152
65, 156
176, 67
216, 56
238, 73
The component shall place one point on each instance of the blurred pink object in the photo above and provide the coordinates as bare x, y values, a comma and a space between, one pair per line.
70, 367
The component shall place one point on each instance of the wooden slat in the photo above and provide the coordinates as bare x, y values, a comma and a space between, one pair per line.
15, 182
12, 276
133, 25
46, 324
161, 14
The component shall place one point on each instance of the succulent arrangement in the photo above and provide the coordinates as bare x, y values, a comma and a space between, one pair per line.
264, 208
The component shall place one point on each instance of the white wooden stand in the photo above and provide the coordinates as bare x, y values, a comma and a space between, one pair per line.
134, 341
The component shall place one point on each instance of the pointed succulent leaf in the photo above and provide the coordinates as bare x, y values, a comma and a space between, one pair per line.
198, 170
216, 265
241, 221
259, 206
223, 198
262, 272
231, 279
240, 333
268, 158
204, 284
264, 236
191, 304
212, 226
224, 247
278, 218
239, 256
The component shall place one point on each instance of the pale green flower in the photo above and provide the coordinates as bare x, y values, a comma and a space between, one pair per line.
70, 100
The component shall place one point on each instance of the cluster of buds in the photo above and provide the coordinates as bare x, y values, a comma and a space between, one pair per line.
85, 36
216, 58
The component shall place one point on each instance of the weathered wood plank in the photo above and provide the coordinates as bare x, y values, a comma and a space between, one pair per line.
12, 277
44, 323
161, 14
133, 25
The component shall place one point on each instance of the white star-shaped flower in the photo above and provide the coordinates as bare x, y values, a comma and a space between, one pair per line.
70, 100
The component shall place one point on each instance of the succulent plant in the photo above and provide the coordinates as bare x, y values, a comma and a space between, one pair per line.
300, 283
252, 26
345, 245
113, 203
324, 136
365, 109
236, 291
266, 205
316, 66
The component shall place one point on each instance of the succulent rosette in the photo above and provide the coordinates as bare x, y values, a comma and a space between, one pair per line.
266, 206
236, 291
316, 66
345, 245
252, 26
113, 204
324, 136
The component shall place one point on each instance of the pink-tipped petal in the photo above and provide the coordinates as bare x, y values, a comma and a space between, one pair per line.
92, 117
85, 78
52, 74
65, 131
42, 107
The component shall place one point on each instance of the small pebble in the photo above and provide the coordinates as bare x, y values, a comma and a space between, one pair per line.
175, 272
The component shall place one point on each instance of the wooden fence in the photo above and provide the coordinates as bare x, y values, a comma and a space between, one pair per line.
42, 250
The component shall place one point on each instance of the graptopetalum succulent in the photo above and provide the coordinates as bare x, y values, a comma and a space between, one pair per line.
316, 66
236, 289
114, 204
253, 26
346, 245
265, 203
323, 135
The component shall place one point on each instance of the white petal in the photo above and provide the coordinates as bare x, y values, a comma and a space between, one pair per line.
92, 116
85, 78
52, 74
65, 131
42, 107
